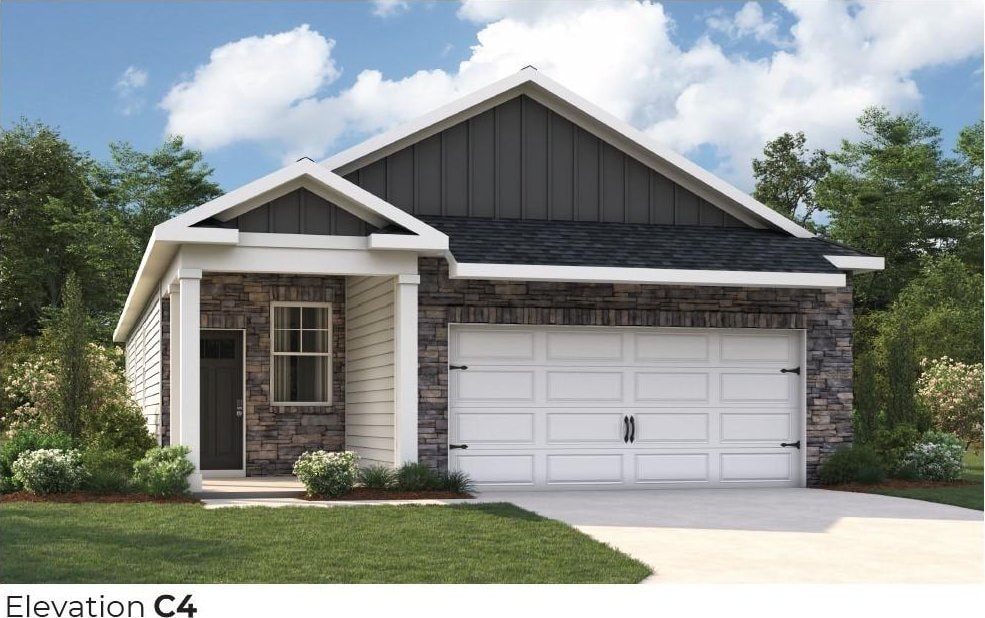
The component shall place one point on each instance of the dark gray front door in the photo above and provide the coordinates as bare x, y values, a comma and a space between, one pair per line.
222, 400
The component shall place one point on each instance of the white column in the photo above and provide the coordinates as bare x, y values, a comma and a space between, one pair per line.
405, 368
174, 341
189, 284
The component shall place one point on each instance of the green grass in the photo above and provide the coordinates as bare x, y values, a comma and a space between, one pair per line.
140, 543
967, 496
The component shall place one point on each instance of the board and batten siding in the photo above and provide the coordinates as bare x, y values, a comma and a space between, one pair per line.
369, 345
143, 365
521, 160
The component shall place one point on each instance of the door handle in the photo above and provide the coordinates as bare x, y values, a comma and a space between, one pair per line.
632, 425
797, 444
239, 408
625, 424
452, 447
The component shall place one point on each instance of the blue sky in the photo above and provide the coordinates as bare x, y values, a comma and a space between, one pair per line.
712, 80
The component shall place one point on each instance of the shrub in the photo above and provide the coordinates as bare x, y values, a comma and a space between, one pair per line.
49, 471
325, 473
893, 445
415, 476
936, 457
458, 482
952, 392
853, 464
377, 477
26, 440
106, 470
163, 471
119, 428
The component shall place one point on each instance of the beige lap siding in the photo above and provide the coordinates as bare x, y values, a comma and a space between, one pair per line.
825, 315
369, 405
143, 365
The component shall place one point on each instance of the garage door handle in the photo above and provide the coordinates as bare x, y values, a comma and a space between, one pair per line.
625, 424
797, 444
455, 446
460, 367
794, 370
632, 425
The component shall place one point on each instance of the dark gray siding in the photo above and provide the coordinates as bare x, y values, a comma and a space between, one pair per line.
520, 160
301, 212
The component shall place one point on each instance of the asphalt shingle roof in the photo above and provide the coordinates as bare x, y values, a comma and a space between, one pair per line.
627, 245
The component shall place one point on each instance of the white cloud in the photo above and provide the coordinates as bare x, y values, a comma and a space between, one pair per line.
128, 88
389, 8
836, 59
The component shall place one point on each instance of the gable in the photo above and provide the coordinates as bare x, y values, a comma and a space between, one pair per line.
297, 212
521, 160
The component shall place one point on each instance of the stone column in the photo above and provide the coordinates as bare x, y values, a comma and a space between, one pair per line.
405, 368
189, 322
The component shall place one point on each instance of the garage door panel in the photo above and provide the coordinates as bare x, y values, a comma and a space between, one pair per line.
671, 347
495, 428
568, 346
672, 468
584, 428
580, 469
567, 386
668, 427
670, 386
543, 407
478, 385
755, 427
756, 387
765, 466
497, 469
495, 345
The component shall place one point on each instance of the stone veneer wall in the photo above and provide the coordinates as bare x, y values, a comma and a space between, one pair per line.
825, 314
275, 435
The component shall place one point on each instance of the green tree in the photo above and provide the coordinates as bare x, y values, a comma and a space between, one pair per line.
149, 188
787, 175
68, 335
51, 224
895, 194
970, 149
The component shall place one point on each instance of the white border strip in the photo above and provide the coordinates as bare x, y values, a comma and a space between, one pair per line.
857, 263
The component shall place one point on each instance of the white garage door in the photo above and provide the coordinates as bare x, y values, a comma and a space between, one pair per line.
624, 407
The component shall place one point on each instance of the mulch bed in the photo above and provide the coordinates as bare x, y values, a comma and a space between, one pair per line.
85, 496
898, 484
362, 493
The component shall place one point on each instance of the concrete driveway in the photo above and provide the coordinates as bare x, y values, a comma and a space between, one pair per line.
774, 535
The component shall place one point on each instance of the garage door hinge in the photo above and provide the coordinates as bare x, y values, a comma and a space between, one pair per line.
794, 370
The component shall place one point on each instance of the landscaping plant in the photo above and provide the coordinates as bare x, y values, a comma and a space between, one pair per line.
107, 470
325, 473
416, 476
163, 471
893, 445
377, 477
49, 471
853, 464
24, 441
952, 392
936, 457
458, 482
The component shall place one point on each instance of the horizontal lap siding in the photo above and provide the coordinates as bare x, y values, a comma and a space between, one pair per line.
369, 369
143, 365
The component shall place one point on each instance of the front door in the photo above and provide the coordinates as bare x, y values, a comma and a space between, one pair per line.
221, 355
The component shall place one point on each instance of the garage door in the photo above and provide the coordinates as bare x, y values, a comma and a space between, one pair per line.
560, 407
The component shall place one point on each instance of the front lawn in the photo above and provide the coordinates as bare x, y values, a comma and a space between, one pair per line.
970, 495
175, 543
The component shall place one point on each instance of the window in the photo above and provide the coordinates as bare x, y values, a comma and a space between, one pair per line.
302, 353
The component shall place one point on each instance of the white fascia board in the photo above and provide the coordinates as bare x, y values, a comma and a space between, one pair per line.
660, 276
590, 117
297, 261
857, 263
405, 242
157, 256
301, 241
198, 235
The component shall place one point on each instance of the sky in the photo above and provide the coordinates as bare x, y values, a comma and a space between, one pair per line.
255, 85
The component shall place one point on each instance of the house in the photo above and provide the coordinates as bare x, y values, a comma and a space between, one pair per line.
517, 285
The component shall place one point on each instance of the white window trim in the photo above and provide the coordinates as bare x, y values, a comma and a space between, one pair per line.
273, 355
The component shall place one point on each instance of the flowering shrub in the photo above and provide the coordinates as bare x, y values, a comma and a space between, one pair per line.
952, 391
936, 457
49, 471
326, 473
163, 471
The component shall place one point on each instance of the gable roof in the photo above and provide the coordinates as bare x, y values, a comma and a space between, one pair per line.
586, 115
